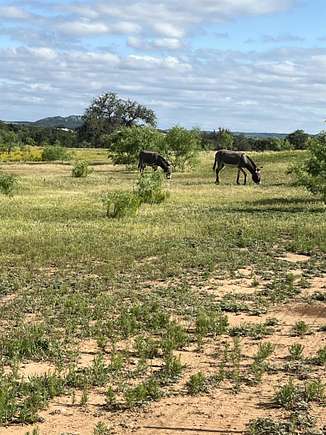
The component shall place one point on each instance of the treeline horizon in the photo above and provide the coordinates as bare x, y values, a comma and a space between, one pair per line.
17, 135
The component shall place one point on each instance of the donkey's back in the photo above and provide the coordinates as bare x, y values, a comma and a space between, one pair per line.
228, 157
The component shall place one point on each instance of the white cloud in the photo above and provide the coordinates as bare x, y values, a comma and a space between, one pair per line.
283, 37
43, 53
155, 43
13, 12
172, 19
82, 28
281, 89
169, 30
58, 70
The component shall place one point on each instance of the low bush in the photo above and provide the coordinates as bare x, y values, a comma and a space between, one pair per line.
312, 172
8, 184
54, 152
81, 169
121, 204
149, 188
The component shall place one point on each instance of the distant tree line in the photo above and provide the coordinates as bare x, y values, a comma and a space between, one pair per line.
17, 135
108, 115
223, 138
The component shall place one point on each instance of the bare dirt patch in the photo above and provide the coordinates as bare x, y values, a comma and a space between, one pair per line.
291, 257
218, 409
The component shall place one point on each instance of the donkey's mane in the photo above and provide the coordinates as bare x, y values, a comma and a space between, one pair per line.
165, 164
252, 162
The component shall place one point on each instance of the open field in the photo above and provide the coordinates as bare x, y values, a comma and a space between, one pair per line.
104, 322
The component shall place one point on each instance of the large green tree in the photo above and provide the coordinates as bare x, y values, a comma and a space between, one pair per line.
298, 139
107, 113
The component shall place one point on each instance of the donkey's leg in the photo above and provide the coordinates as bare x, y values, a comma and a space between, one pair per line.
219, 168
141, 168
217, 181
238, 176
245, 175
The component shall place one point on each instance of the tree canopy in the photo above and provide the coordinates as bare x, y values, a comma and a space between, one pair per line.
108, 113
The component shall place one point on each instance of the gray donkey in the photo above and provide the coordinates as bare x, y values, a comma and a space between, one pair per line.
239, 159
151, 158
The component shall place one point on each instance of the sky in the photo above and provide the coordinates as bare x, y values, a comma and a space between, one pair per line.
245, 65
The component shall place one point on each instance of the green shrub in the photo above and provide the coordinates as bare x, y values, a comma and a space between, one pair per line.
182, 146
55, 152
8, 184
121, 204
81, 169
149, 188
312, 172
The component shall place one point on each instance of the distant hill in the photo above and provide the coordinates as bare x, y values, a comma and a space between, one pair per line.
75, 121
71, 122
261, 135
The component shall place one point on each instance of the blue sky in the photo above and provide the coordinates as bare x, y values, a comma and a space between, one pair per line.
248, 65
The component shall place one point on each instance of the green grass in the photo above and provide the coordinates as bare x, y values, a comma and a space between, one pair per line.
74, 274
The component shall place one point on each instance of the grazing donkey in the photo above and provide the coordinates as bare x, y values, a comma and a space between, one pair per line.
151, 158
239, 159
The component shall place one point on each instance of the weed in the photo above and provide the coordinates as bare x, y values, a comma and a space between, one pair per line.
265, 350
171, 369
144, 392
84, 397
146, 347
174, 338
101, 429
296, 352
300, 328
235, 358
210, 322
287, 396
314, 391
98, 372
117, 362
267, 426
292, 396
110, 397
254, 330
29, 341
281, 289
320, 358
197, 384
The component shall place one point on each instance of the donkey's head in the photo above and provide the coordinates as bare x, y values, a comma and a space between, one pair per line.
256, 176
